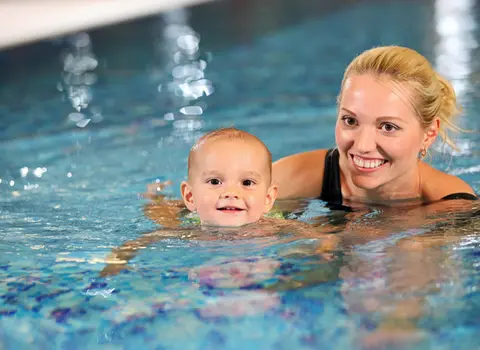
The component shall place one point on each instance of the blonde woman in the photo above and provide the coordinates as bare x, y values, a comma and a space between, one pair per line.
391, 107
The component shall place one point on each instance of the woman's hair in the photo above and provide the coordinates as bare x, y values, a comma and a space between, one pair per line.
431, 94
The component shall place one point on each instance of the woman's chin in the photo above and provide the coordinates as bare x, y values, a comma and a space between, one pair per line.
367, 183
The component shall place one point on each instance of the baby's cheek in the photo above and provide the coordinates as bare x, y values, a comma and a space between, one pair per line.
255, 201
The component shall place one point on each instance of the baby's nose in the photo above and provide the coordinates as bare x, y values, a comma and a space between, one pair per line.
230, 195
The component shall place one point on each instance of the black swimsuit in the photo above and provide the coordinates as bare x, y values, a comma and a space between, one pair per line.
332, 188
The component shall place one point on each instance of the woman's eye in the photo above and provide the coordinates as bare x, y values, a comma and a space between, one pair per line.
350, 121
214, 182
387, 127
248, 183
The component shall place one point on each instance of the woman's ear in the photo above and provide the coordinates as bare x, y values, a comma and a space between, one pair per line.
431, 133
187, 196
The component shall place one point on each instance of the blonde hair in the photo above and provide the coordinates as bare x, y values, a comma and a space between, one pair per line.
229, 133
431, 94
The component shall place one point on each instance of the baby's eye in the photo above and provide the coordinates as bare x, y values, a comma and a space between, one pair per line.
349, 121
248, 182
388, 127
214, 182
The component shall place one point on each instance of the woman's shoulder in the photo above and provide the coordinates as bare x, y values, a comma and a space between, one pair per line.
437, 185
300, 175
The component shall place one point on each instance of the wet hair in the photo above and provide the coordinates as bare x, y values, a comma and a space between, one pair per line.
229, 133
431, 95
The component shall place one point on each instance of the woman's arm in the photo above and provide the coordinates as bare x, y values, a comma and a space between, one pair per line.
300, 175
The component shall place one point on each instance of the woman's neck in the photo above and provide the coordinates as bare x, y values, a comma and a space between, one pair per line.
405, 187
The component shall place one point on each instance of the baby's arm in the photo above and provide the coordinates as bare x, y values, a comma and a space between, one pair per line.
162, 210
119, 257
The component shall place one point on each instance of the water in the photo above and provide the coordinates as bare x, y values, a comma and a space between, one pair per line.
89, 120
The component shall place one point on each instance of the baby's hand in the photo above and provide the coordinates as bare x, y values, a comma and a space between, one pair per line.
154, 190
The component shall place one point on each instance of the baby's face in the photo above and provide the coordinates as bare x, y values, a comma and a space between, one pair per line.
229, 183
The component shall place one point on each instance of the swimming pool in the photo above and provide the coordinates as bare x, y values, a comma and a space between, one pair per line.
88, 121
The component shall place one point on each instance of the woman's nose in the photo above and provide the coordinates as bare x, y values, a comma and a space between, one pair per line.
365, 140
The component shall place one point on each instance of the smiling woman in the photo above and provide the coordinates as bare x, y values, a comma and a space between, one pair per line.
391, 108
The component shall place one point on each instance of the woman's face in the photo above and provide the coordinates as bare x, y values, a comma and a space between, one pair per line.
378, 134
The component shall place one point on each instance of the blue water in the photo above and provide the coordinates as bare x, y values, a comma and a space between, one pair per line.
80, 141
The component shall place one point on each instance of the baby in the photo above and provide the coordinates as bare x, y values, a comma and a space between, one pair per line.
229, 179
230, 187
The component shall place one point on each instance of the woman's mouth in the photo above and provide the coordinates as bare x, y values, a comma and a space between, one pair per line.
367, 164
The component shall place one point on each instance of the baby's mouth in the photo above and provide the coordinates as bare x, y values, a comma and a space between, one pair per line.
230, 209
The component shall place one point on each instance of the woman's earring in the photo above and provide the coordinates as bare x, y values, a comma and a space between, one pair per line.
423, 152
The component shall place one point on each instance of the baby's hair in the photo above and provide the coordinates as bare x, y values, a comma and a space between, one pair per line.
229, 133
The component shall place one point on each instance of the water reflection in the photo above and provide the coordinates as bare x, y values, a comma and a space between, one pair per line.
181, 74
455, 25
79, 64
402, 284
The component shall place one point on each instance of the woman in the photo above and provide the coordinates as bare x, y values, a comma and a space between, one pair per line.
392, 106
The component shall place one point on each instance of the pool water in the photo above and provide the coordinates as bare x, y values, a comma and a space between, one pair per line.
89, 120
